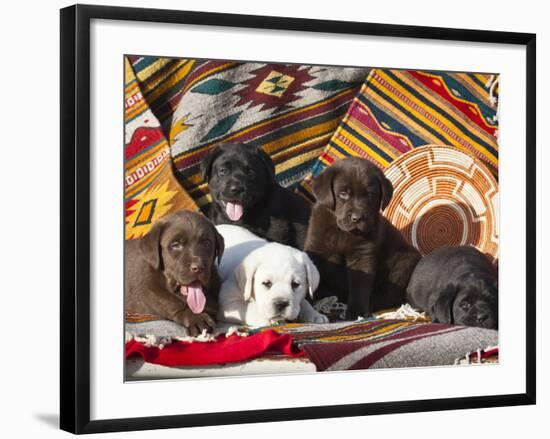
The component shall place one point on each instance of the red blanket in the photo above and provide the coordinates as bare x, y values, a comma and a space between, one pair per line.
224, 350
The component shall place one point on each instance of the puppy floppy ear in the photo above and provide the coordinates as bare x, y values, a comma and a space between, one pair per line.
323, 187
208, 160
312, 274
268, 163
442, 309
386, 189
220, 245
244, 274
150, 245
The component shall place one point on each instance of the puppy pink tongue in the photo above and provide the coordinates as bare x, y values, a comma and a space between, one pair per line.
195, 297
234, 211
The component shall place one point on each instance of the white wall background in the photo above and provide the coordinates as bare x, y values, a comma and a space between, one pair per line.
29, 216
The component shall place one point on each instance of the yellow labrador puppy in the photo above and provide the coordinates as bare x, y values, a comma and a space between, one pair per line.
264, 282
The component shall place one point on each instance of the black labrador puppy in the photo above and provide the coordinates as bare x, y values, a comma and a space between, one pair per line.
360, 255
170, 272
456, 285
241, 180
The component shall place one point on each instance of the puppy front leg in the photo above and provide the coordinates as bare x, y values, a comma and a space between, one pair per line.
361, 275
331, 270
235, 311
308, 314
234, 308
319, 246
194, 323
244, 313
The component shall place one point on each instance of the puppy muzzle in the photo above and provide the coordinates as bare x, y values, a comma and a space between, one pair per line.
283, 309
481, 318
355, 223
189, 276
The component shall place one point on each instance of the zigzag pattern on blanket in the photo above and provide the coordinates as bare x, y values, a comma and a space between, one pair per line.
150, 189
397, 110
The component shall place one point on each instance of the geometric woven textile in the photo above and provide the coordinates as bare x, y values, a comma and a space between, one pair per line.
291, 111
151, 191
444, 197
306, 117
399, 110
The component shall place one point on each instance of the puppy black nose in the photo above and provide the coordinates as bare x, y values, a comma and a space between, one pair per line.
196, 267
281, 304
482, 318
234, 189
355, 218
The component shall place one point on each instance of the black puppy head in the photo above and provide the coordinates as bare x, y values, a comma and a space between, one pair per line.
355, 190
471, 301
184, 246
239, 176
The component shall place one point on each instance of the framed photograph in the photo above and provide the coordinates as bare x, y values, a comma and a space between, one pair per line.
342, 211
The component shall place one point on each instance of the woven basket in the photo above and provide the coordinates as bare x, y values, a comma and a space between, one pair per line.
444, 197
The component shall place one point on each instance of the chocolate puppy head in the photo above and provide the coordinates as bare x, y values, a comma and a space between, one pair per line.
355, 190
184, 246
239, 176
472, 301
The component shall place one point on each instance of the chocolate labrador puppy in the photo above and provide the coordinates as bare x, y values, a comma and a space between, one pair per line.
241, 180
456, 285
362, 258
170, 272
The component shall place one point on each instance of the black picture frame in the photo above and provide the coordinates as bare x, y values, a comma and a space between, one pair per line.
75, 217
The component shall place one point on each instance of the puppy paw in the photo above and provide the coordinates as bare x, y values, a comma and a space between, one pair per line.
197, 323
308, 314
314, 317
320, 318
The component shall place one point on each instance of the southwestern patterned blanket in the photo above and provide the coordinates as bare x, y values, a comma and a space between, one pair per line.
305, 117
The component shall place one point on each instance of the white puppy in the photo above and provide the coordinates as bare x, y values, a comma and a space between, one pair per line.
264, 282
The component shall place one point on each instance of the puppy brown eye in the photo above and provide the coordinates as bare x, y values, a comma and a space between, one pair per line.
206, 243
294, 284
465, 306
176, 245
343, 195
222, 171
267, 284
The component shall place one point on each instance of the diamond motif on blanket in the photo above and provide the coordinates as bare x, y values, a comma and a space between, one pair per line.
148, 207
275, 84
146, 212
273, 87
